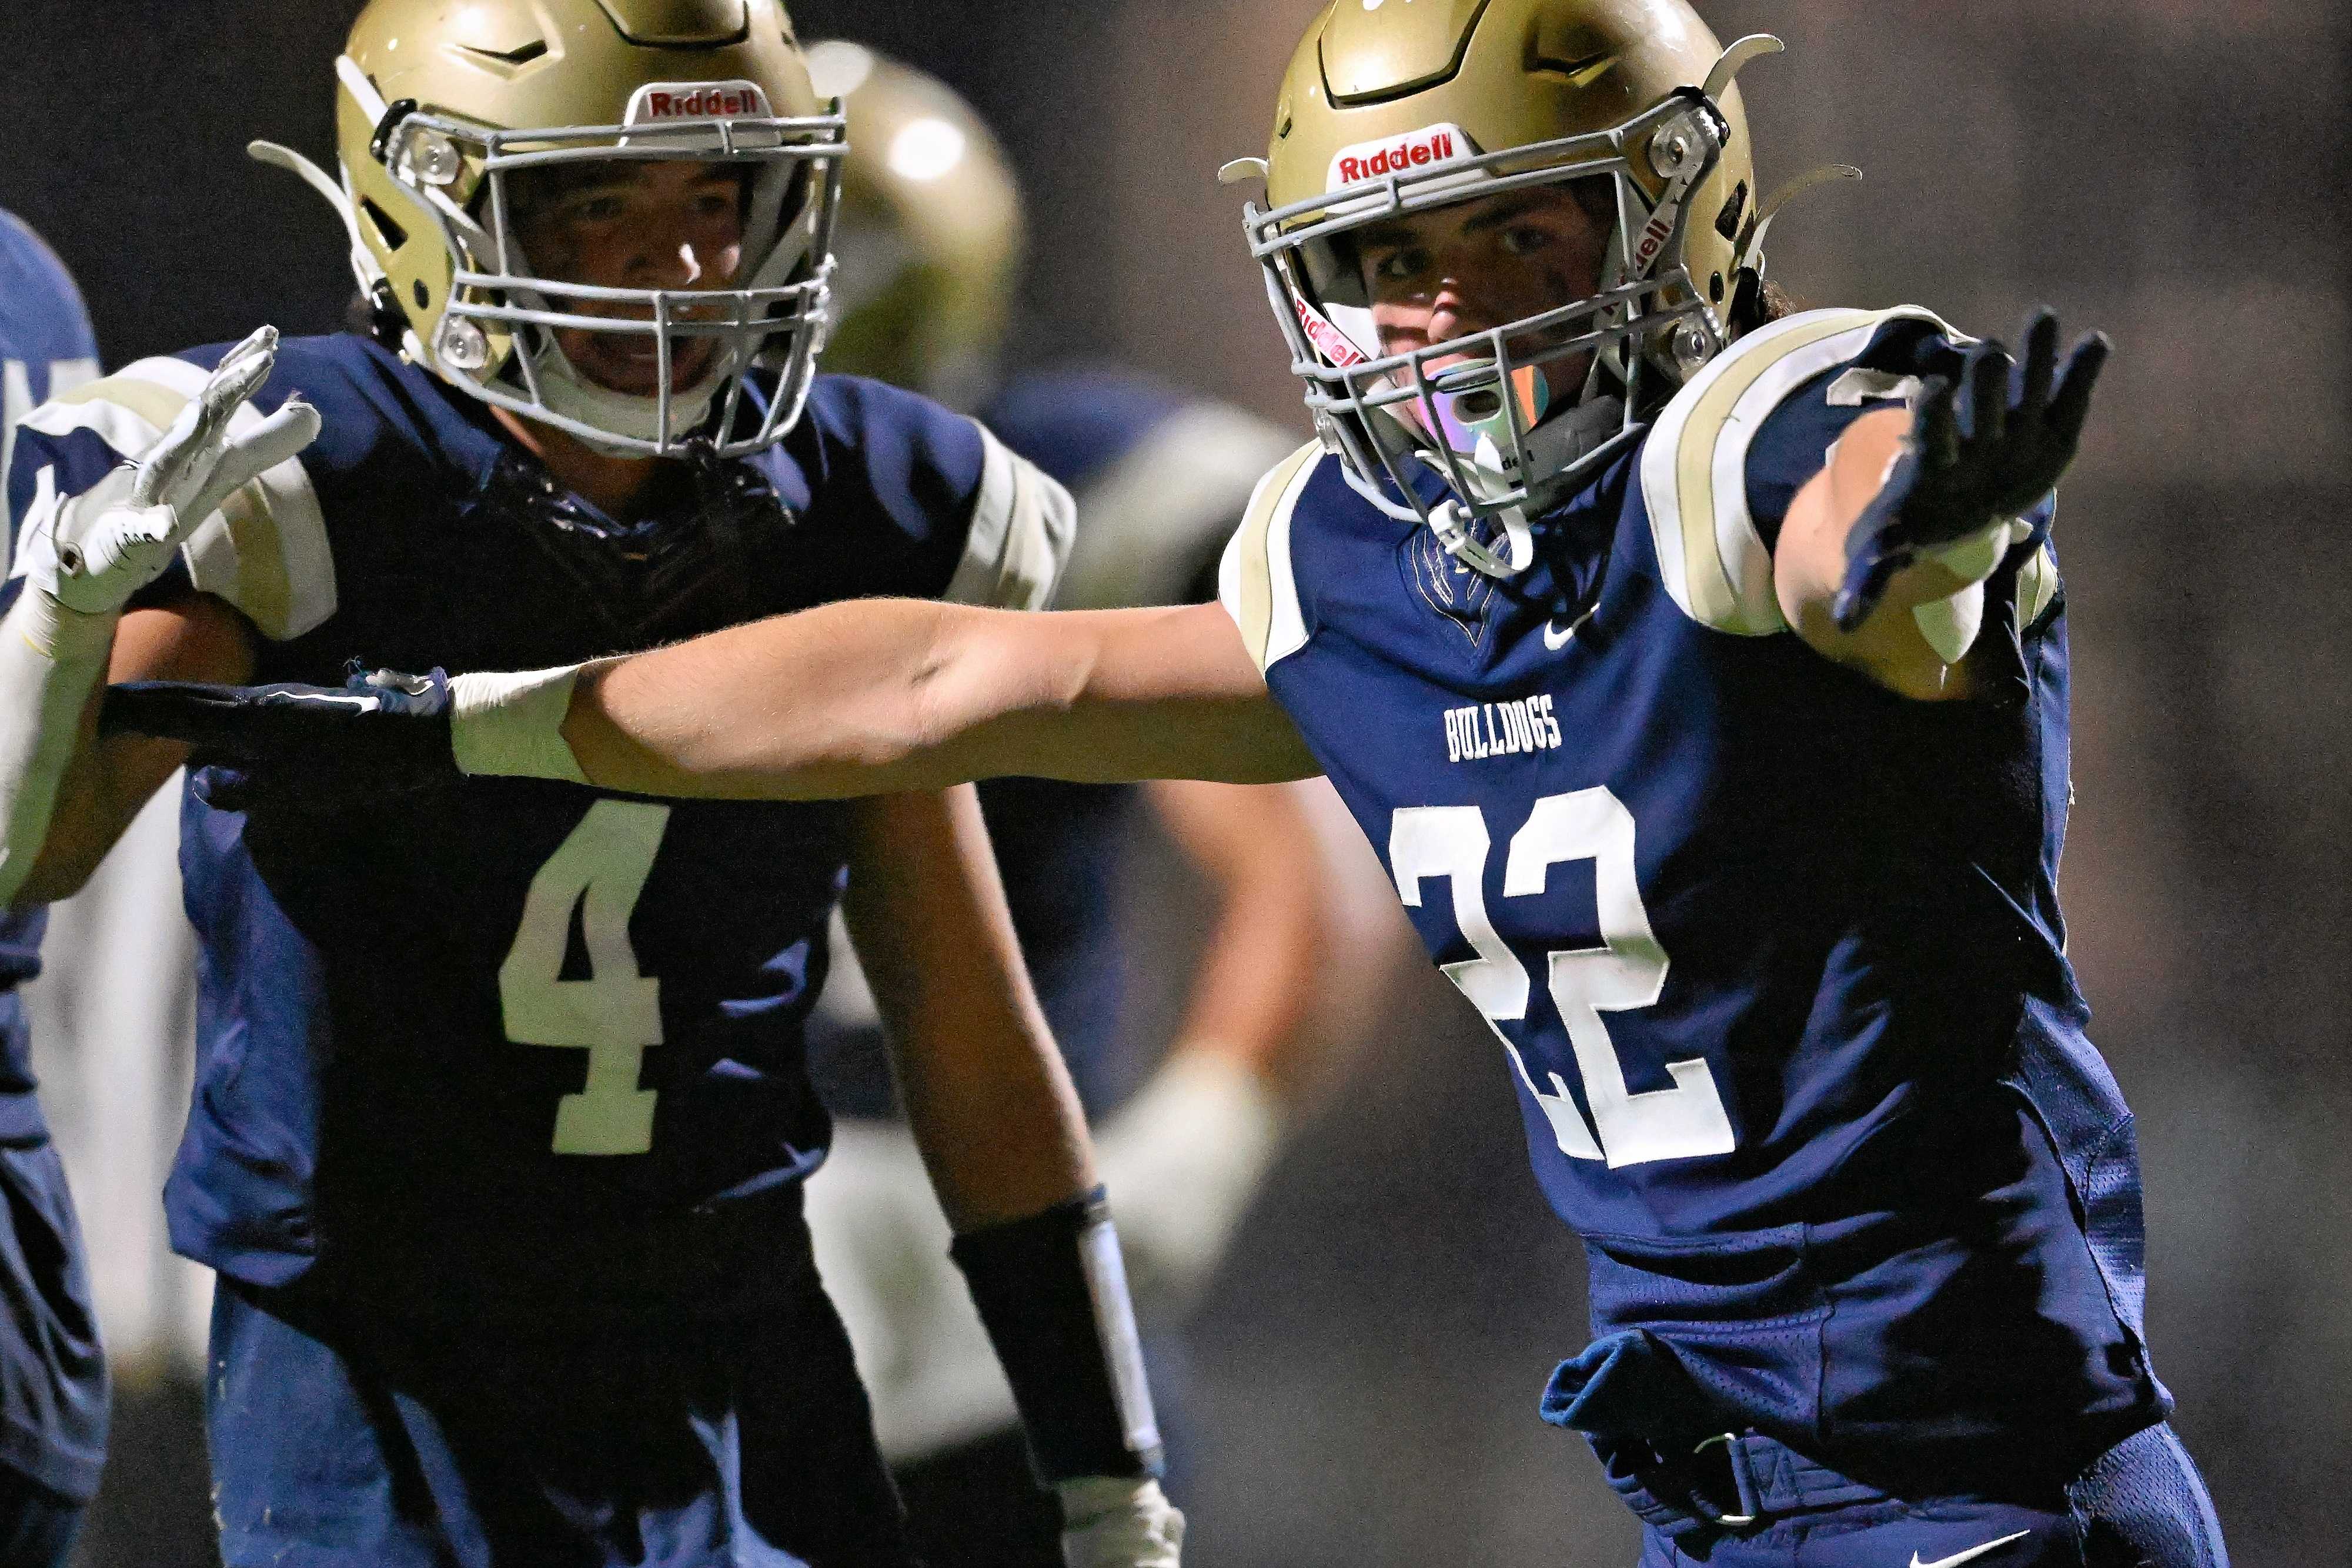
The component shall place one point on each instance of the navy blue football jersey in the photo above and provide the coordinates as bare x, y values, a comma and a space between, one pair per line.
46, 346
1159, 479
511, 1040
52, 1376
1774, 956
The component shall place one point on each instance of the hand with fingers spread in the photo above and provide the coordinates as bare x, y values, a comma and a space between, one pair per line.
1982, 451
105, 555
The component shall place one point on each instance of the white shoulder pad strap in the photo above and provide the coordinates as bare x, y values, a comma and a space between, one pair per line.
1151, 523
1022, 525
265, 550
1253, 580
1695, 464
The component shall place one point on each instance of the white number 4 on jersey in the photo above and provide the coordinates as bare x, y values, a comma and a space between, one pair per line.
613, 1014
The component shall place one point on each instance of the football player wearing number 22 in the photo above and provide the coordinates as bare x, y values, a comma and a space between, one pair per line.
1698, 666
503, 1116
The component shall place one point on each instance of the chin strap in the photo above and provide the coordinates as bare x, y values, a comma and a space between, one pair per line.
1561, 450
335, 195
1451, 521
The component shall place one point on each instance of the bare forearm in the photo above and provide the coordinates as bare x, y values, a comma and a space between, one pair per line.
1810, 567
881, 696
1258, 991
985, 1091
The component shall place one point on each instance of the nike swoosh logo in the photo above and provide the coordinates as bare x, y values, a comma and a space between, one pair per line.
317, 699
1972, 1554
1555, 639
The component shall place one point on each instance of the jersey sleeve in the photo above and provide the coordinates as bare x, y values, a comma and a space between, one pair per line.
1254, 581
1726, 458
945, 510
265, 549
46, 345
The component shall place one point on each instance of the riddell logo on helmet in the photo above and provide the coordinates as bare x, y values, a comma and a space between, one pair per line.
1328, 340
1654, 236
1400, 155
663, 101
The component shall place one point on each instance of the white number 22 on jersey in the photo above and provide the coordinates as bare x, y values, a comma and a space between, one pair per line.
615, 1012
1628, 971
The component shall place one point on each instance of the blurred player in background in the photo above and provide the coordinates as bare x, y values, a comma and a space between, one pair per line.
1700, 668
930, 243
503, 1114
52, 1378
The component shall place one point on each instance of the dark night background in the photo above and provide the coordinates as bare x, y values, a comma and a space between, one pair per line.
2170, 170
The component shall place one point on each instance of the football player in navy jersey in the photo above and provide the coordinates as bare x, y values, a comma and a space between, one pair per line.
52, 1378
1699, 669
502, 1115
930, 243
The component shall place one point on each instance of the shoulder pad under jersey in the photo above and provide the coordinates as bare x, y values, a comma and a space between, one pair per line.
1713, 556
1253, 580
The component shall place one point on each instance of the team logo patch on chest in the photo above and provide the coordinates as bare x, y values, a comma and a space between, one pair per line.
1446, 585
1481, 731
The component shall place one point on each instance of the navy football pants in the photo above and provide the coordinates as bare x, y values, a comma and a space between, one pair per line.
340, 1440
2140, 1505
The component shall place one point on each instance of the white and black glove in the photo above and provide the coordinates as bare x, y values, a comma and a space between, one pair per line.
84, 559
107, 544
1111, 1521
1183, 1161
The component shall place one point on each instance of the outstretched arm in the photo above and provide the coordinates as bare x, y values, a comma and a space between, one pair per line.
879, 696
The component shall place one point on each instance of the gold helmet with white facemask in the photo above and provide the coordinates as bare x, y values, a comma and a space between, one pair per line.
931, 237
444, 109
1389, 110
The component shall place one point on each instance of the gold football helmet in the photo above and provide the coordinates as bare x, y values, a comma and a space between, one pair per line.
442, 106
930, 237
1389, 110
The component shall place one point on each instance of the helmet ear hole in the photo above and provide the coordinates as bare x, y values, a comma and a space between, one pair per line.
1727, 221
387, 233
422, 295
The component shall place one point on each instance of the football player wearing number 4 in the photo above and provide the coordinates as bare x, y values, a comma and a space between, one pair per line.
1699, 669
503, 1116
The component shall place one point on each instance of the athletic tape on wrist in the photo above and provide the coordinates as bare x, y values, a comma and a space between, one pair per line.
1052, 1293
1950, 625
511, 725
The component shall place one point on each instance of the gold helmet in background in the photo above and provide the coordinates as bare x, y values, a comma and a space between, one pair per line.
930, 237
1391, 110
441, 105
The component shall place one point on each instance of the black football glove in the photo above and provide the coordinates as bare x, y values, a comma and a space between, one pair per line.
380, 733
1980, 451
